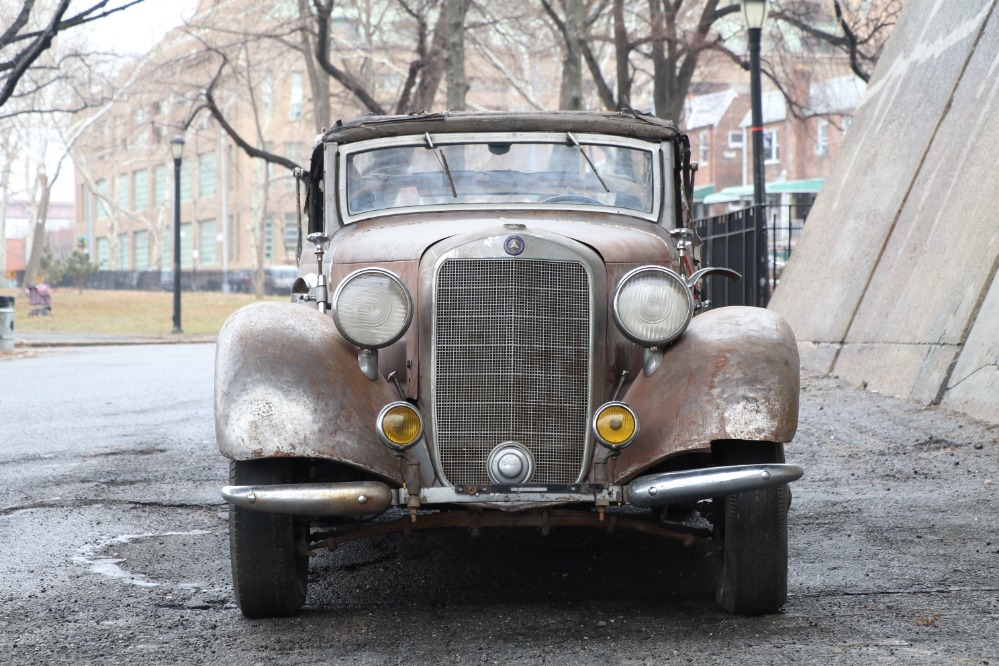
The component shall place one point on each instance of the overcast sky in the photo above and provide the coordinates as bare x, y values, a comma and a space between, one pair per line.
137, 28
129, 32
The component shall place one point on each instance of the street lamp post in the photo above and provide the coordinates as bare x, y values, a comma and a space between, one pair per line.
177, 151
755, 13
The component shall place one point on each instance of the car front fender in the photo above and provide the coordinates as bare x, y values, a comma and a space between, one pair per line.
287, 385
733, 375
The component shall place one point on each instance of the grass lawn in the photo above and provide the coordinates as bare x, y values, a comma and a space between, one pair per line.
129, 313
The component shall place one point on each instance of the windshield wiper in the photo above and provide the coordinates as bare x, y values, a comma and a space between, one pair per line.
439, 153
585, 157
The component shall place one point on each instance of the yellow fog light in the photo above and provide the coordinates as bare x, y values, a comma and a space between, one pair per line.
615, 425
399, 425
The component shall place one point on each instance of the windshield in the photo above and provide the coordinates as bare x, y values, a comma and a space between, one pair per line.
512, 173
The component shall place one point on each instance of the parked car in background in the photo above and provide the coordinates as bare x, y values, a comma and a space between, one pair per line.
278, 280
504, 329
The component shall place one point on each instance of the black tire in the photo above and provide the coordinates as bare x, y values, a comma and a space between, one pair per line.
752, 563
270, 570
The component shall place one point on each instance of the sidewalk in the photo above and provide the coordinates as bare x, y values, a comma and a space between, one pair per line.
41, 339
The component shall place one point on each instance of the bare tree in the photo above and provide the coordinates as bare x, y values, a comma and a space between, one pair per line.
32, 32
457, 81
859, 30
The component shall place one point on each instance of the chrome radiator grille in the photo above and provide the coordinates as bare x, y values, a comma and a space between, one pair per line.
512, 357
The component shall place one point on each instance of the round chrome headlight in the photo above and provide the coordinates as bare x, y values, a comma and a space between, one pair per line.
372, 308
652, 305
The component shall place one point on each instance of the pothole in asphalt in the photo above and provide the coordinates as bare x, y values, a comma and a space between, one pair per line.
192, 561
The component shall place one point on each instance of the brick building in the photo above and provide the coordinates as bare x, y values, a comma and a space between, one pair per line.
799, 145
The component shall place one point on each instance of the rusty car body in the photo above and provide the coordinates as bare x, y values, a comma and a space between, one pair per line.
504, 327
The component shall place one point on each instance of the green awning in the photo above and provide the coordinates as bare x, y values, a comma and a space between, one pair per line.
796, 186
703, 191
730, 194
740, 192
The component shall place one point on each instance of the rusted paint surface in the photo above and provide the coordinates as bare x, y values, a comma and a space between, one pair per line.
287, 384
733, 375
545, 520
617, 238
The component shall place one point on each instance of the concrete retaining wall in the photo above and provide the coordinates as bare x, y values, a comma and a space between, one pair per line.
893, 283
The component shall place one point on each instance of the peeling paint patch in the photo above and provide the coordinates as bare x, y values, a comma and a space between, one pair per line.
750, 419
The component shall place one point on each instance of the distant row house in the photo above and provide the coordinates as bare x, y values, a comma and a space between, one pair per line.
798, 145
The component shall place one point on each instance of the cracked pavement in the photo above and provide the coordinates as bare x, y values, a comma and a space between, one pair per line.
115, 546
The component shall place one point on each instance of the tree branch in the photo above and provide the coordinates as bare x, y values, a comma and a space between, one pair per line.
323, 11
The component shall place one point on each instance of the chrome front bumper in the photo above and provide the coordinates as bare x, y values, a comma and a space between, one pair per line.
368, 498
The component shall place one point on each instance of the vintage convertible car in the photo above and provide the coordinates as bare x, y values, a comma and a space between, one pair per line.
507, 330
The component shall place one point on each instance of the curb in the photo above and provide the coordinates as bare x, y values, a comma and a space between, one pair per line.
111, 342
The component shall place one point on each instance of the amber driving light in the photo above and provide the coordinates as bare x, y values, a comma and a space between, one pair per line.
399, 425
615, 425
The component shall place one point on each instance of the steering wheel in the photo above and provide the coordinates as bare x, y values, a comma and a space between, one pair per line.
570, 198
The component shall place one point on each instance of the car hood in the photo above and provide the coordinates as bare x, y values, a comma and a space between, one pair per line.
618, 239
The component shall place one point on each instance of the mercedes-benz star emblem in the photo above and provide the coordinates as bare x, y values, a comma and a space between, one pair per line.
514, 245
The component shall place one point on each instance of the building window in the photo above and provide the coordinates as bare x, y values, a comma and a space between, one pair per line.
141, 239
102, 195
166, 250
290, 233
297, 102
159, 184
702, 147
206, 175
140, 189
207, 243
771, 148
267, 97
736, 139
186, 245
123, 263
846, 124
121, 191
232, 241
269, 238
269, 166
822, 137
230, 167
293, 151
103, 254
185, 182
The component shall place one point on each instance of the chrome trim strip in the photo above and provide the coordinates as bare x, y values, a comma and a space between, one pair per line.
699, 484
359, 498
488, 244
439, 140
450, 496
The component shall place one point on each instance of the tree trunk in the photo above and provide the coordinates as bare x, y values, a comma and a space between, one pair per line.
658, 46
319, 82
622, 52
433, 68
571, 92
4, 197
38, 234
457, 82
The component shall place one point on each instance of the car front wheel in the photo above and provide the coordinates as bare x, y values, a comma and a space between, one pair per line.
752, 535
267, 550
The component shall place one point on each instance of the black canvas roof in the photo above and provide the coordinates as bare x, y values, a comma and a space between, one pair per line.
638, 126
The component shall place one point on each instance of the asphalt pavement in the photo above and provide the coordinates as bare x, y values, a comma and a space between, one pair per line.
114, 546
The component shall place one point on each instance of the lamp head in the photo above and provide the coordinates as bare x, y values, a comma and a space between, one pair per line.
177, 147
754, 12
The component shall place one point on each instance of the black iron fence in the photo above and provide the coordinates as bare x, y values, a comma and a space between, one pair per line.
733, 241
234, 281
